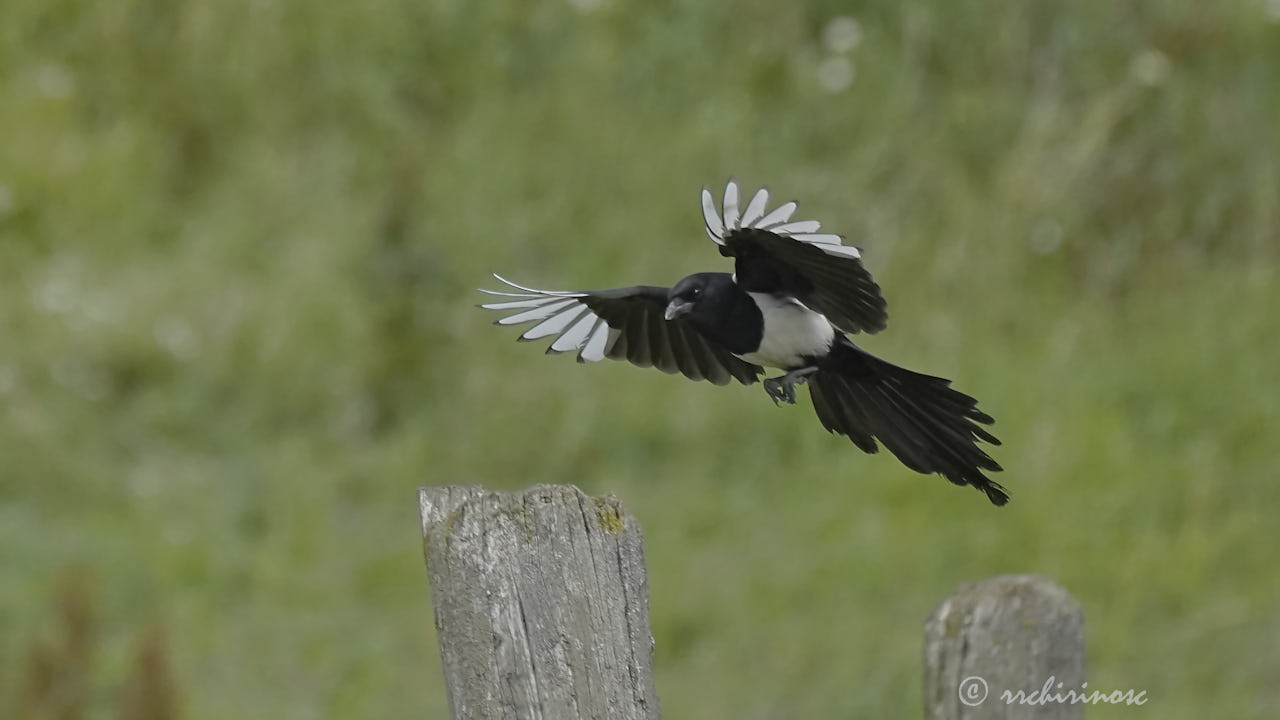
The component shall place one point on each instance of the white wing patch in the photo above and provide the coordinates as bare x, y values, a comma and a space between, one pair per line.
724, 220
557, 313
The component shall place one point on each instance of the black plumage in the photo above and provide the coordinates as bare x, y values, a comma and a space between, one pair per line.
645, 338
837, 286
925, 423
794, 294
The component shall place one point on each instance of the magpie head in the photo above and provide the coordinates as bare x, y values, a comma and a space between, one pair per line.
700, 296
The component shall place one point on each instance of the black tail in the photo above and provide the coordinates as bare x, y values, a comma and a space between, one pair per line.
929, 426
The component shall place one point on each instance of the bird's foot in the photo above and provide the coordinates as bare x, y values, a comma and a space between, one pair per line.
780, 391
783, 389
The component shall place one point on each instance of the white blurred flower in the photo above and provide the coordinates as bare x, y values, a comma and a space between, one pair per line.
1046, 237
175, 335
57, 291
1149, 67
56, 296
835, 74
8, 379
55, 81
842, 34
146, 479
1273, 11
99, 308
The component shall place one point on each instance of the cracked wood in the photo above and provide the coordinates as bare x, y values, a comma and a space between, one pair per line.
541, 604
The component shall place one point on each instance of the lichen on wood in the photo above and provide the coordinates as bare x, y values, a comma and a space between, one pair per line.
541, 602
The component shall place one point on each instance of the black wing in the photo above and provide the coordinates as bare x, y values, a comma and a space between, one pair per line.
621, 324
775, 254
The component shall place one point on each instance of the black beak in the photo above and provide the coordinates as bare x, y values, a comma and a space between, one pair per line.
676, 308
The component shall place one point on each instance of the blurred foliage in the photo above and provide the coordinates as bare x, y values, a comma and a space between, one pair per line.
60, 669
239, 243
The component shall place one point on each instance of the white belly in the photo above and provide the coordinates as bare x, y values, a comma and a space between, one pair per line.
791, 332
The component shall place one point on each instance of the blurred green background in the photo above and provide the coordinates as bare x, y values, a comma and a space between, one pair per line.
239, 247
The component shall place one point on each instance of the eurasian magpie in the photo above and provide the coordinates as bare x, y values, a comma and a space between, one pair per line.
794, 294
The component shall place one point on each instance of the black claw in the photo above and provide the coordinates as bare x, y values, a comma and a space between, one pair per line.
781, 390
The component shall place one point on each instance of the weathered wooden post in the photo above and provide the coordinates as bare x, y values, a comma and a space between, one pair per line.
541, 604
1015, 633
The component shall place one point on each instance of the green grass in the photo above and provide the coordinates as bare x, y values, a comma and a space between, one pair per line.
239, 243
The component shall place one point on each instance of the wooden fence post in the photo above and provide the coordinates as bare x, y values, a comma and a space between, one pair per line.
541, 604
1009, 633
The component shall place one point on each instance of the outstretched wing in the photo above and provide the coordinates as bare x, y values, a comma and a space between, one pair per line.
773, 253
620, 324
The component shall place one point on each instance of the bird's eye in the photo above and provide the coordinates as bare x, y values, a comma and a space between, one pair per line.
697, 293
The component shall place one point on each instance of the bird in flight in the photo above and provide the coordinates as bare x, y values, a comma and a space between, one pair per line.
794, 297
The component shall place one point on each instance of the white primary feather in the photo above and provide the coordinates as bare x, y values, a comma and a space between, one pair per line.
828, 238
555, 324
558, 313
728, 218
780, 214
593, 350
512, 305
715, 227
533, 291
802, 226
546, 309
755, 208
731, 206
576, 336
